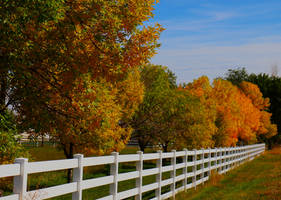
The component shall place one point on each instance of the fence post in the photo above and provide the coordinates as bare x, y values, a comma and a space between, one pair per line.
231, 157
209, 163
159, 176
244, 154
253, 153
236, 156
114, 173
220, 160
20, 182
173, 174
194, 169
139, 167
240, 155
78, 177
216, 158
202, 165
223, 159
226, 158
185, 160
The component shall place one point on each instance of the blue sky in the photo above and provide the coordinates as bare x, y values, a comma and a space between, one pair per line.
207, 37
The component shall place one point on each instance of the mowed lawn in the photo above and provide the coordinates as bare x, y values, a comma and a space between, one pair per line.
259, 179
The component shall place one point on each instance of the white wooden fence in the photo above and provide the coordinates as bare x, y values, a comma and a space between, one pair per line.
201, 161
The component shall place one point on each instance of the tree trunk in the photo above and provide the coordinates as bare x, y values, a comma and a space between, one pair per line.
69, 175
165, 148
69, 155
142, 145
3, 90
166, 161
269, 142
42, 141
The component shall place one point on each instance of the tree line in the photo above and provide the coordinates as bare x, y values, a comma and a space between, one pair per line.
79, 70
270, 87
200, 114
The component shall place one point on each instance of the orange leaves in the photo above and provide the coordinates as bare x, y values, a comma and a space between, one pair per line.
130, 93
97, 112
239, 113
253, 92
78, 69
261, 104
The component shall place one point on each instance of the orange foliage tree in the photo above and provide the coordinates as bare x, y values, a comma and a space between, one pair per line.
76, 76
253, 92
240, 114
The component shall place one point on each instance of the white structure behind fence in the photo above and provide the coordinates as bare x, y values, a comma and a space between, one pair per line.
201, 161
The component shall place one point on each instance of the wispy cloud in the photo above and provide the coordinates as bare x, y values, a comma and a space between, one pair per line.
208, 37
214, 61
222, 15
207, 20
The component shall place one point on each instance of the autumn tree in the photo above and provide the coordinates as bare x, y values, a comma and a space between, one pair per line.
238, 114
158, 81
241, 110
75, 67
200, 118
270, 87
266, 129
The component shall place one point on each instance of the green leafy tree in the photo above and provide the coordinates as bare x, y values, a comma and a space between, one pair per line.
170, 116
182, 122
158, 82
9, 147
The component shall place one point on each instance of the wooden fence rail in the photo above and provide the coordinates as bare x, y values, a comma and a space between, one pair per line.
202, 162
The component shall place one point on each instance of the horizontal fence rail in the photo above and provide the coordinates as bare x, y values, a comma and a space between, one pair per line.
187, 170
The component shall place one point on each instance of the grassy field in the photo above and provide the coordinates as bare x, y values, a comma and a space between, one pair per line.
259, 179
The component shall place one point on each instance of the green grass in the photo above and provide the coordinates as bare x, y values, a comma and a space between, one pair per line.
259, 179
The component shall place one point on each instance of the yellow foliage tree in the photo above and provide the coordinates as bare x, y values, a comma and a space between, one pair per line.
76, 75
200, 119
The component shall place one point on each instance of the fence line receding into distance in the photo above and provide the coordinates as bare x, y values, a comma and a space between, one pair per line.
187, 170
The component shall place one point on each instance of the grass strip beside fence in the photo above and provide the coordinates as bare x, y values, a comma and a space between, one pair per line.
258, 179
